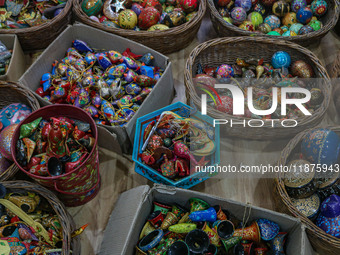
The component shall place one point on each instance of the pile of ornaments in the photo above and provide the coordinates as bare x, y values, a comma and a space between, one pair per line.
28, 224
5, 58
173, 144
262, 77
10, 117
23, 14
151, 15
175, 230
53, 147
110, 86
277, 18
313, 182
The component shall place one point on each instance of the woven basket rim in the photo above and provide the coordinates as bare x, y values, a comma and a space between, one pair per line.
33, 103
65, 219
335, 71
188, 79
48, 24
321, 32
279, 183
126, 32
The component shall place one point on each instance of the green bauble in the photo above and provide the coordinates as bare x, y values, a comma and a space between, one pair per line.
92, 7
315, 24
167, 142
274, 33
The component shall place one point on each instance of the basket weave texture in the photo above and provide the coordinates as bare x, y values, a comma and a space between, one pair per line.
226, 50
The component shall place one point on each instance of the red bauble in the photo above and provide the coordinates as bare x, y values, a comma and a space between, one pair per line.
148, 17
189, 5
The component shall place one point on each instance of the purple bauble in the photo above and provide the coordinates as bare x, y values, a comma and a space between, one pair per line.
245, 4
305, 30
329, 218
297, 4
96, 100
93, 111
238, 15
273, 21
137, 8
259, 8
4, 164
82, 99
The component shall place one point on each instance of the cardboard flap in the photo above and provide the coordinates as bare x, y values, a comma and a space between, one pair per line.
123, 216
108, 140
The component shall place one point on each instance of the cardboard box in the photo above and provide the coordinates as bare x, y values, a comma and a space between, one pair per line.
155, 176
160, 96
134, 206
17, 66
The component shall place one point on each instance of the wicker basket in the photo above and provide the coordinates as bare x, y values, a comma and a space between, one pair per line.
335, 72
225, 51
13, 93
165, 41
39, 37
65, 219
329, 21
323, 243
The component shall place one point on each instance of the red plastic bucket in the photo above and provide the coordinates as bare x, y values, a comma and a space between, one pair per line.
80, 182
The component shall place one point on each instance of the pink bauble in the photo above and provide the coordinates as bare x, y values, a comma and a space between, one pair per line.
6, 136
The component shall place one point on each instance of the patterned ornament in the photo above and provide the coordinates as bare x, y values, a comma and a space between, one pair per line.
273, 21
255, 18
13, 114
329, 218
302, 69
284, 28
279, 30
268, 2
319, 7
6, 136
245, 4
306, 29
238, 15
304, 15
127, 19
247, 25
92, 7
296, 27
137, 8
268, 229
189, 5
315, 24
222, 3
148, 17
224, 71
289, 33
297, 4
280, 8
309, 206
280, 59
289, 19
264, 28
259, 8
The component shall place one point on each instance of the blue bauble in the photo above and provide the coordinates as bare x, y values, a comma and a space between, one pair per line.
296, 27
304, 15
245, 4
273, 21
281, 59
321, 146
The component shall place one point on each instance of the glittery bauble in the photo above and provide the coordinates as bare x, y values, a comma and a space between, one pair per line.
247, 25
224, 71
296, 27
289, 19
137, 8
222, 3
280, 8
305, 30
5, 141
4, 164
302, 69
189, 5
148, 17
255, 18
259, 8
284, 28
268, 2
289, 33
274, 33
92, 7
319, 7
315, 24
264, 28
297, 4
273, 21
304, 15
281, 59
238, 15
279, 30
245, 4
127, 19
177, 18
226, 106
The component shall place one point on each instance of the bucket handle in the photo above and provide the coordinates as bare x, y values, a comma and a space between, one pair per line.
78, 193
